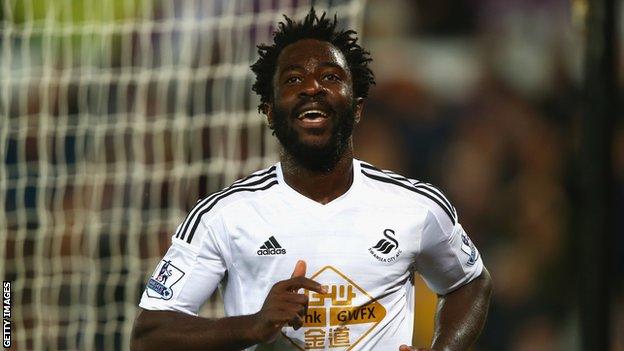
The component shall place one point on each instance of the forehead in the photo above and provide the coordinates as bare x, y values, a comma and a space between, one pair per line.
309, 52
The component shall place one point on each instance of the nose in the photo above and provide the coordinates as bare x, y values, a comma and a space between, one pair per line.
311, 87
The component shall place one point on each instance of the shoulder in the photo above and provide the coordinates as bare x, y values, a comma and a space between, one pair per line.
424, 194
255, 185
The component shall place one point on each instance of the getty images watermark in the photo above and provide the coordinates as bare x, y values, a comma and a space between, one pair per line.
6, 314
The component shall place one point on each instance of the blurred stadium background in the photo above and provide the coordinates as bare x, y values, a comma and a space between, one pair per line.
117, 115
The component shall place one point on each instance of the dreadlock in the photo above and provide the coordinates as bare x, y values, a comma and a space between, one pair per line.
312, 27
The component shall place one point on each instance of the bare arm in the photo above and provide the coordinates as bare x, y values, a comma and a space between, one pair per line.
461, 314
157, 330
170, 330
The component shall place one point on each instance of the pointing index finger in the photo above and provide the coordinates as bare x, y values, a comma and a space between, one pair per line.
297, 283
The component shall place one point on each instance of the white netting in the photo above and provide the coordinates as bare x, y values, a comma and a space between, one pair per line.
116, 116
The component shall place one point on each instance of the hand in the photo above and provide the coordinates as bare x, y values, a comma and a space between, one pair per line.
283, 305
410, 348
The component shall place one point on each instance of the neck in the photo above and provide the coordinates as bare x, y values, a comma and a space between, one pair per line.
321, 187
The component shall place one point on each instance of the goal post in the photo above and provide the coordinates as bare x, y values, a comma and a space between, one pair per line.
116, 117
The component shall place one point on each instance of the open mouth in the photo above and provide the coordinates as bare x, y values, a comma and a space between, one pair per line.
312, 116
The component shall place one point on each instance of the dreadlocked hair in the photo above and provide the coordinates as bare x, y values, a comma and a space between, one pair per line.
312, 27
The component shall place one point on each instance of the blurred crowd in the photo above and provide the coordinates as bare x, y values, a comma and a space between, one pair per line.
484, 99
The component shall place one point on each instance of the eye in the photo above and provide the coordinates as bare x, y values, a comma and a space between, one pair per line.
331, 77
293, 79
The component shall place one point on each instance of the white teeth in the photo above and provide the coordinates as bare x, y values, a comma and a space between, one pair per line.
304, 113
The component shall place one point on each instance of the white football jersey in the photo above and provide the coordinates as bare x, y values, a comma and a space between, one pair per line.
363, 246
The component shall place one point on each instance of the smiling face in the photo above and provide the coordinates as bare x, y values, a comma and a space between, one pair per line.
313, 110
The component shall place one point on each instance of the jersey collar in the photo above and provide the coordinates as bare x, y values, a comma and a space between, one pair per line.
294, 194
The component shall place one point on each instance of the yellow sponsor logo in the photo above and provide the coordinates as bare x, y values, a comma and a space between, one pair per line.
371, 313
316, 317
338, 319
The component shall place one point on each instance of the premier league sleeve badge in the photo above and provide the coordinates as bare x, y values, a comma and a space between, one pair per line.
162, 281
469, 249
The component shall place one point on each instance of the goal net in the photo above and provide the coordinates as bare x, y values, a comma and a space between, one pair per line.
116, 116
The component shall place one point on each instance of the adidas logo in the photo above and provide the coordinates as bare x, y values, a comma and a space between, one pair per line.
271, 247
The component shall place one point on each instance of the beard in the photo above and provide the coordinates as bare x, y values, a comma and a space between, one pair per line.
316, 157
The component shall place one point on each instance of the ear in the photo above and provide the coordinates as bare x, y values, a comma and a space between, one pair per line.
267, 109
359, 108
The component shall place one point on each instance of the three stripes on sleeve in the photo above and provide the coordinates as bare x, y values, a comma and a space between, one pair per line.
258, 181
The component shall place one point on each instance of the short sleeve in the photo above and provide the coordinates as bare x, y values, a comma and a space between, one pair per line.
447, 258
187, 275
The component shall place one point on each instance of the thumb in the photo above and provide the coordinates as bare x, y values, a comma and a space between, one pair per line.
405, 348
300, 269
